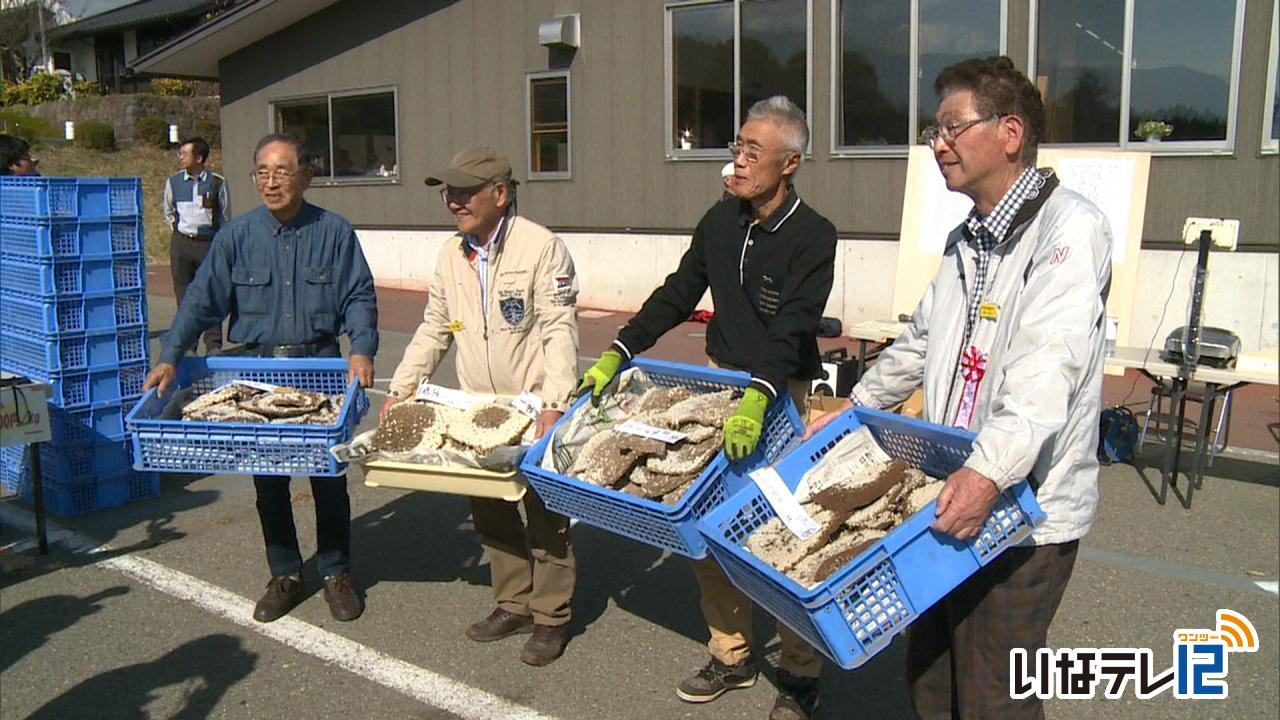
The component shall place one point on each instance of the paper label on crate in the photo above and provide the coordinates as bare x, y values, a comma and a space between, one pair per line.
446, 396
528, 404
784, 503
264, 387
631, 427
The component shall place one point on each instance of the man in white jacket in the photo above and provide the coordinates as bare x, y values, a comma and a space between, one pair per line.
1007, 341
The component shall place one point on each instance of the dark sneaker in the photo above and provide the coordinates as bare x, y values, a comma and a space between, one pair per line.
344, 602
498, 625
715, 679
797, 697
545, 645
283, 594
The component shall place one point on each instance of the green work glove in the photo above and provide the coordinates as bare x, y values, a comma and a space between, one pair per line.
742, 429
600, 375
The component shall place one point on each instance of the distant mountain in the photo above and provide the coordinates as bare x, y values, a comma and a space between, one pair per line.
1162, 88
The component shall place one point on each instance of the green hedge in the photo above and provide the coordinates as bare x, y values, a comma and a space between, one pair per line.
95, 136
41, 87
31, 129
211, 131
153, 131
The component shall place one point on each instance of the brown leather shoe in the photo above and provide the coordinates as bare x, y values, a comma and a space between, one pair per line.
498, 625
545, 645
283, 594
344, 602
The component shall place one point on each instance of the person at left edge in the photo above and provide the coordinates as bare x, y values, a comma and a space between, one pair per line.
15, 156
291, 278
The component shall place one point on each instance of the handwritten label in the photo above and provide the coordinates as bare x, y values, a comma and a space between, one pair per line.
264, 387
631, 427
528, 404
784, 503
448, 397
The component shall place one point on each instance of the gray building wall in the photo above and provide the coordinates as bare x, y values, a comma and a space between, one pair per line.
459, 70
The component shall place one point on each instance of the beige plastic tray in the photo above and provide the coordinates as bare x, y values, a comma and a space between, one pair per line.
509, 485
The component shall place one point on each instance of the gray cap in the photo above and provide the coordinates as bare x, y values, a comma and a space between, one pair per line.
469, 168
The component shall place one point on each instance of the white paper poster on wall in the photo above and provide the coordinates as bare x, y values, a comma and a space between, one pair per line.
1108, 183
942, 211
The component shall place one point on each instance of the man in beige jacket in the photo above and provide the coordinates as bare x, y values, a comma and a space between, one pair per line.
505, 295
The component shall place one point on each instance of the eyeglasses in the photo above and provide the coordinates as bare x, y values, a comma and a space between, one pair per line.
949, 132
752, 152
461, 196
281, 175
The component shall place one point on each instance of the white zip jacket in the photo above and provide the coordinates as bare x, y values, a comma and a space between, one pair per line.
1037, 405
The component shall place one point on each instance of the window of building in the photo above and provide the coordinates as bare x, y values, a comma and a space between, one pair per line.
1271, 113
548, 109
349, 135
882, 45
62, 60
723, 57
1107, 81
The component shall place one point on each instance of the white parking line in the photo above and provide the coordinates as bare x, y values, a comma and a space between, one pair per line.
407, 679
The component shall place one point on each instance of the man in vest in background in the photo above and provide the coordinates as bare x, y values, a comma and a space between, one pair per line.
196, 204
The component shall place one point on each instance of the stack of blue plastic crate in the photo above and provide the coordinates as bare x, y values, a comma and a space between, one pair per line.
73, 314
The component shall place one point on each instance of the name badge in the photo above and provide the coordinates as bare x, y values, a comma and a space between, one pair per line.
988, 311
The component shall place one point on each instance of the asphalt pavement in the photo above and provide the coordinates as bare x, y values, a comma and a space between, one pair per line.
143, 610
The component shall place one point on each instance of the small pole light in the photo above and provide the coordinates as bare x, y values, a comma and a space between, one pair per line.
69, 129
173, 133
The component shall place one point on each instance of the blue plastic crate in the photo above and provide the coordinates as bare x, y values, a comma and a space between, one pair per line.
858, 610
43, 197
47, 239
82, 313
69, 500
71, 351
70, 464
247, 448
102, 422
86, 388
670, 527
71, 276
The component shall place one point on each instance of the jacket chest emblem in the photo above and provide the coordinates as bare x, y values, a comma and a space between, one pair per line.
512, 310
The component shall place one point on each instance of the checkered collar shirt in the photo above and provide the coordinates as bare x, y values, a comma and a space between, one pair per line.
984, 233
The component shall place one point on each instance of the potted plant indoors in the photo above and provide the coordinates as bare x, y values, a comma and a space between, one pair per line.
1153, 130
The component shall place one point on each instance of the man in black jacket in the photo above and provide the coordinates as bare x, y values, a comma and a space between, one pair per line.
769, 260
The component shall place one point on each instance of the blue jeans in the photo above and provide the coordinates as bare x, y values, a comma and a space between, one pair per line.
333, 525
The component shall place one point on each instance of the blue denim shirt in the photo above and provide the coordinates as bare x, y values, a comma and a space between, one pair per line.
301, 282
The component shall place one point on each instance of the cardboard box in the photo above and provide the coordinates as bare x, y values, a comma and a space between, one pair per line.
913, 406
819, 405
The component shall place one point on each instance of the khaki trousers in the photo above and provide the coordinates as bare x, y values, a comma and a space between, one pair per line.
728, 611
530, 559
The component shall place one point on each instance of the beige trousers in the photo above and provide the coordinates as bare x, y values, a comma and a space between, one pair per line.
728, 611
531, 560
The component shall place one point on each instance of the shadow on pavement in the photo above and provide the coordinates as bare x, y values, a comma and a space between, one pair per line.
156, 516
415, 538
187, 681
29, 625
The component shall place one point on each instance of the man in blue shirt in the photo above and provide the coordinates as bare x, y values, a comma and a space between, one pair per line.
292, 278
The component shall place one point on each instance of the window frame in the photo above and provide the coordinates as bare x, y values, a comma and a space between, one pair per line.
913, 93
1270, 145
529, 79
328, 97
670, 149
1225, 146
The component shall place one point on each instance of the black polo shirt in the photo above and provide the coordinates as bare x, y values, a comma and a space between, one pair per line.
769, 282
